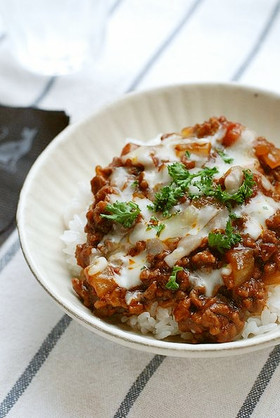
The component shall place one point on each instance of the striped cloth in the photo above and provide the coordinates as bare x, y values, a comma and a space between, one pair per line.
49, 365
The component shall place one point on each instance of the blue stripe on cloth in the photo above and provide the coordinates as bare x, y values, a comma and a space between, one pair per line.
260, 384
9, 254
34, 366
115, 6
46, 89
164, 45
49, 84
259, 42
138, 386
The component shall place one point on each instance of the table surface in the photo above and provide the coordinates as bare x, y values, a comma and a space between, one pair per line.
49, 365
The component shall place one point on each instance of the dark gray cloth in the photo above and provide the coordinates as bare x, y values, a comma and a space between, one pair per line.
24, 133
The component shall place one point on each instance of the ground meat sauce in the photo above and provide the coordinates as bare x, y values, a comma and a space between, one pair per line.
198, 231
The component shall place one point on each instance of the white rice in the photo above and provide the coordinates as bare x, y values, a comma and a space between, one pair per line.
159, 321
75, 220
269, 319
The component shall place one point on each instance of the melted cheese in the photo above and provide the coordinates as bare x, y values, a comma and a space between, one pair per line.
119, 177
163, 151
191, 241
208, 279
257, 211
190, 224
122, 195
190, 221
158, 176
130, 269
152, 141
241, 152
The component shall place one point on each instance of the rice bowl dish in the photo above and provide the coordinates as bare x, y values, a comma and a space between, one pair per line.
180, 236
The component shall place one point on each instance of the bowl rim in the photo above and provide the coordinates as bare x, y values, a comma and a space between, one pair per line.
123, 337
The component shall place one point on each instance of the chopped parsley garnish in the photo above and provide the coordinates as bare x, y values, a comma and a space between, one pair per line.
224, 156
246, 188
182, 177
187, 154
205, 183
172, 284
223, 242
179, 174
124, 213
135, 184
233, 216
244, 191
154, 223
159, 229
168, 196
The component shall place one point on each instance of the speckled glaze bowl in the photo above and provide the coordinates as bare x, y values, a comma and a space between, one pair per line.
71, 158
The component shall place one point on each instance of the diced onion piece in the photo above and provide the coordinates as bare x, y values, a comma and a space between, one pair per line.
97, 265
102, 285
233, 179
242, 264
187, 132
268, 152
272, 159
185, 247
202, 150
154, 246
272, 278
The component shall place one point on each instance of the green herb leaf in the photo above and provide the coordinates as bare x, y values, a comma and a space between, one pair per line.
182, 179
244, 191
124, 213
233, 216
154, 223
166, 198
187, 154
135, 184
169, 195
224, 156
223, 242
179, 174
159, 229
172, 284
205, 183
246, 188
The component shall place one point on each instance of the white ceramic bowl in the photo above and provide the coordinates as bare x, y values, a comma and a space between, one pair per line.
71, 158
